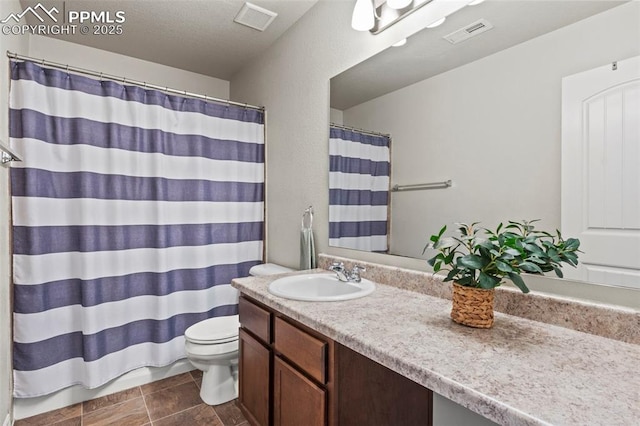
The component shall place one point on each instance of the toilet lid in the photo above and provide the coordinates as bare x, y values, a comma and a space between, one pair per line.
218, 330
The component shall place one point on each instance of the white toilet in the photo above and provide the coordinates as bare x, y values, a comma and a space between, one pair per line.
212, 346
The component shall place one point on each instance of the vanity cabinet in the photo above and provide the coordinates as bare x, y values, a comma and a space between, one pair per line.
291, 375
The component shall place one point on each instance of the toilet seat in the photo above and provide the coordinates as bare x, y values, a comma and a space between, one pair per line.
216, 330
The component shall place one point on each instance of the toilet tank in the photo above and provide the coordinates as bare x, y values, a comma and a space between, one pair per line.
268, 269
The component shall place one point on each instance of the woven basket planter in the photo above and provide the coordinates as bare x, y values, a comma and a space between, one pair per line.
472, 306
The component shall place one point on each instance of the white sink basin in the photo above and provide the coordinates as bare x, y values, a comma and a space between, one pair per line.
320, 288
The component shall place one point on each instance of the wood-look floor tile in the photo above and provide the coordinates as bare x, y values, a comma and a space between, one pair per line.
172, 400
52, 417
200, 415
128, 413
230, 413
108, 400
169, 382
197, 377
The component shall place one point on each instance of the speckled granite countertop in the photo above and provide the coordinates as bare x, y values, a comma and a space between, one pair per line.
520, 372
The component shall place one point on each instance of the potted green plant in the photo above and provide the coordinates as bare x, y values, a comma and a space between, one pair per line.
478, 260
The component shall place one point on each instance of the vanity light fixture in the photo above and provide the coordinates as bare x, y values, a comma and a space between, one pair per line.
377, 15
363, 15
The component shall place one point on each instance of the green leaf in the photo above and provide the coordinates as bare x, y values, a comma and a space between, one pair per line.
487, 281
572, 259
517, 280
445, 243
572, 244
471, 261
533, 248
466, 281
512, 252
503, 266
451, 275
558, 272
530, 267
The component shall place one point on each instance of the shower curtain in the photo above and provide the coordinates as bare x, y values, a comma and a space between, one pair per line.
132, 212
359, 170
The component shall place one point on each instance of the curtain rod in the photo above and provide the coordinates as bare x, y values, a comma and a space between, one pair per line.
368, 132
125, 80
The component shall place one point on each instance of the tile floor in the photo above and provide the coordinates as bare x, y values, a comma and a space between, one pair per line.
172, 401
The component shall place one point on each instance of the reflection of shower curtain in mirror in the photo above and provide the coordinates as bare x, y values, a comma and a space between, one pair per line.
359, 170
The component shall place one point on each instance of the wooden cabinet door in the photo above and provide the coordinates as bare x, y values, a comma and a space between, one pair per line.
297, 400
254, 366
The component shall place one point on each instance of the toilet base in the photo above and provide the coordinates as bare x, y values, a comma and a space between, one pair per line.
219, 384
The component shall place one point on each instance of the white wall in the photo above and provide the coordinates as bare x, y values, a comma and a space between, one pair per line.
493, 127
119, 65
14, 43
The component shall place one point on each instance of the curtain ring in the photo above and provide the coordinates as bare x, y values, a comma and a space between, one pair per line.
228, 103
42, 63
100, 77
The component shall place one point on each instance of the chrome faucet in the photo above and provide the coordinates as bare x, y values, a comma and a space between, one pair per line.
345, 275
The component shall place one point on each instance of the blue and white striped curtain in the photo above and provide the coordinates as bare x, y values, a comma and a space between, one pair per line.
132, 212
359, 169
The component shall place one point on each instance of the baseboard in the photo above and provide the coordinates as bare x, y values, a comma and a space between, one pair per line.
7, 421
27, 407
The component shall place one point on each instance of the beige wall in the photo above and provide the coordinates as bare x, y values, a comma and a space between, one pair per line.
499, 118
292, 80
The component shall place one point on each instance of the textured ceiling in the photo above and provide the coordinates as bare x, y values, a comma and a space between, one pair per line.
194, 35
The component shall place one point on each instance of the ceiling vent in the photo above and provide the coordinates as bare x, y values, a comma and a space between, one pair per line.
255, 17
469, 31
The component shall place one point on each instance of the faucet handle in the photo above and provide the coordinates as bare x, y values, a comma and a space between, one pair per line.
336, 265
355, 273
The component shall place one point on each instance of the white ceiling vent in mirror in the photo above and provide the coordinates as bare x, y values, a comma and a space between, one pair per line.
255, 17
471, 30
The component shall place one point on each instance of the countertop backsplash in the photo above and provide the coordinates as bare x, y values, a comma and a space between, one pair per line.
613, 322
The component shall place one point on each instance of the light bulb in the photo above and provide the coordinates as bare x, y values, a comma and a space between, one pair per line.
398, 4
362, 19
437, 23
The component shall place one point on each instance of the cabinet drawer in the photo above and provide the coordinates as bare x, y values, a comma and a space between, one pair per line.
255, 319
302, 349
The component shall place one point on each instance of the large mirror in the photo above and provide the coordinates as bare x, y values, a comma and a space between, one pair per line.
475, 125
